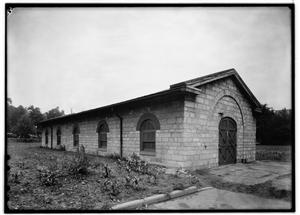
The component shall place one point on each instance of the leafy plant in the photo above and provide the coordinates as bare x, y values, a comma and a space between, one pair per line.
15, 177
107, 171
112, 186
133, 182
79, 163
48, 176
61, 148
134, 163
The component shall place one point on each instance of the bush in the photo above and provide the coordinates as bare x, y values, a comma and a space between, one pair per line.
78, 164
106, 206
134, 163
28, 140
133, 182
115, 156
107, 171
178, 186
113, 186
61, 148
48, 176
15, 177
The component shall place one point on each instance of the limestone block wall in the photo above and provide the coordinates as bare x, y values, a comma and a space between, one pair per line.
88, 136
169, 138
201, 123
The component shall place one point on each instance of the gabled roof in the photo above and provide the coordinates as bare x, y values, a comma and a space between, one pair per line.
186, 87
198, 82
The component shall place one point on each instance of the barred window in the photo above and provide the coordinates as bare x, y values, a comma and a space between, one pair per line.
147, 136
46, 137
102, 130
58, 136
148, 124
76, 132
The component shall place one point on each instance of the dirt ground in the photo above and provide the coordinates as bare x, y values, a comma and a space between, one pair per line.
266, 179
91, 191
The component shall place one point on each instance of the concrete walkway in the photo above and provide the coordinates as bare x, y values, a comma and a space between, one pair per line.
221, 199
257, 172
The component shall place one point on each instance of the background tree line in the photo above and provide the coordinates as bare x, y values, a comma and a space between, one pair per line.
21, 121
273, 127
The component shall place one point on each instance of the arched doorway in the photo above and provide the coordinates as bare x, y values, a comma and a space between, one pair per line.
227, 141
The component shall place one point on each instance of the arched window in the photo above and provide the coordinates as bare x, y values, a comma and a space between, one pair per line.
102, 130
76, 132
58, 136
46, 137
147, 125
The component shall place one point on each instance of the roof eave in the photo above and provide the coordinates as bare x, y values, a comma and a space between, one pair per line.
170, 92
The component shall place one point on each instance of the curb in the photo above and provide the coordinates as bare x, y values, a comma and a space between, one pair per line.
157, 198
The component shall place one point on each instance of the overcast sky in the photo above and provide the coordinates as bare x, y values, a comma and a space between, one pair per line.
83, 58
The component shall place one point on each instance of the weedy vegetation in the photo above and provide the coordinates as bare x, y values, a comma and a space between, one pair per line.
42, 178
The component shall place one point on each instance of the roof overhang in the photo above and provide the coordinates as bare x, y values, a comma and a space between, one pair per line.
115, 108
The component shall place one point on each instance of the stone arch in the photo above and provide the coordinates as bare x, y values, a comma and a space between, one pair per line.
103, 124
151, 117
76, 129
221, 95
58, 131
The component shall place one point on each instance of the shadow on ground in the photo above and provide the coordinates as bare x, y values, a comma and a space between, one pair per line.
267, 179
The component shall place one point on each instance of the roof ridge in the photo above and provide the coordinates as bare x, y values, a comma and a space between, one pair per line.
192, 81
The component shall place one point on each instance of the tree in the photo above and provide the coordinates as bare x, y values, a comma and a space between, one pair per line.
13, 116
274, 127
55, 112
36, 116
22, 121
24, 126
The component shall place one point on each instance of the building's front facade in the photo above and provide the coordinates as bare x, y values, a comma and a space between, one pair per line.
203, 122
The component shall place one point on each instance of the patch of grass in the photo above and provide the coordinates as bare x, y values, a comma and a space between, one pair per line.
273, 152
272, 155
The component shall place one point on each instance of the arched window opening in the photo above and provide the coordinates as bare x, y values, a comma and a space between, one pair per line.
46, 137
76, 132
147, 125
58, 136
147, 136
102, 130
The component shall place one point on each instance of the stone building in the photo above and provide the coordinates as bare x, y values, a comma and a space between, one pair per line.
207, 121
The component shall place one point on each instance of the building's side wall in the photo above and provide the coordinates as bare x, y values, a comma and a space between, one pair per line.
201, 123
168, 138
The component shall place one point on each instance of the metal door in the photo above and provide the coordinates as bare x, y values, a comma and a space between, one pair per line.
227, 141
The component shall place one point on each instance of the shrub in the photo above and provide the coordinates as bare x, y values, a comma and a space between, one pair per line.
114, 156
28, 140
106, 171
15, 177
78, 164
133, 182
61, 148
134, 163
112, 186
48, 176
106, 206
178, 186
